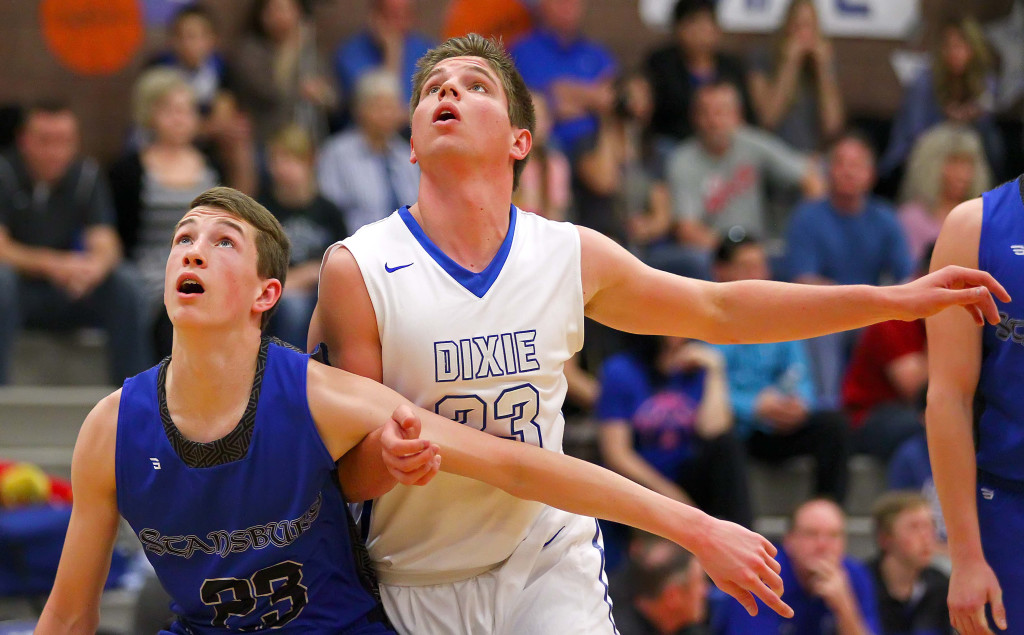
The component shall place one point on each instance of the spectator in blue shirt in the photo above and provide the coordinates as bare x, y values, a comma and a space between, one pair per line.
666, 423
771, 391
830, 592
388, 41
848, 237
573, 72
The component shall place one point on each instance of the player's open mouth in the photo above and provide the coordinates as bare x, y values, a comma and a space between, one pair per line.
446, 112
189, 285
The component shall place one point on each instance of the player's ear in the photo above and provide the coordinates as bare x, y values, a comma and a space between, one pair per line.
270, 293
412, 153
522, 141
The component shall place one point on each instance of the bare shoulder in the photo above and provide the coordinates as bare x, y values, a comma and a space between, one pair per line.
102, 419
93, 460
603, 262
340, 265
960, 236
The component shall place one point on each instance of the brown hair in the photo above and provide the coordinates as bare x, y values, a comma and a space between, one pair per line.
953, 89
891, 505
273, 250
520, 104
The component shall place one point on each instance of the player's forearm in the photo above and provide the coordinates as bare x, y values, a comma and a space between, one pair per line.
754, 311
362, 473
954, 468
67, 623
561, 481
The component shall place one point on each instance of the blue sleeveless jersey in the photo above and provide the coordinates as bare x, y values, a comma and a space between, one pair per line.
1000, 445
248, 532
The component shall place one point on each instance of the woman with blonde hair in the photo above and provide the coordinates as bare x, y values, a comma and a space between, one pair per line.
958, 87
946, 167
796, 95
154, 183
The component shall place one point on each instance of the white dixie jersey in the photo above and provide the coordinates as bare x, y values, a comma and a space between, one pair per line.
486, 349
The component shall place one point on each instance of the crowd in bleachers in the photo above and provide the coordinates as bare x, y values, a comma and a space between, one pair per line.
702, 163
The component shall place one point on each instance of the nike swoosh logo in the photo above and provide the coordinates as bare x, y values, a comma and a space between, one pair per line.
394, 269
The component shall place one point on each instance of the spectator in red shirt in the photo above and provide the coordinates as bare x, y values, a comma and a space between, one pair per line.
884, 384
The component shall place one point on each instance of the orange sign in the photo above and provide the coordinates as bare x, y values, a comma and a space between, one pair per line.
92, 37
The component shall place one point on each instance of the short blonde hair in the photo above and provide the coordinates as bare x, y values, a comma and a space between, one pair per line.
151, 88
889, 507
923, 179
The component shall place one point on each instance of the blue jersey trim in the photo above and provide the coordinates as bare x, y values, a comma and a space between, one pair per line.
597, 542
476, 283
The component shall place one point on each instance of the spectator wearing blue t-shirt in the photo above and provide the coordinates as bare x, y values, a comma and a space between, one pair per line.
666, 423
848, 237
830, 592
574, 73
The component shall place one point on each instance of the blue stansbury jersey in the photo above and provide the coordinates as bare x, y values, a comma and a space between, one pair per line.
248, 532
1001, 253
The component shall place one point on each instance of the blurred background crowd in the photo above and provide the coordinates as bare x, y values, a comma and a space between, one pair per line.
814, 141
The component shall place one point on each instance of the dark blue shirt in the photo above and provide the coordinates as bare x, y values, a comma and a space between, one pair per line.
862, 248
543, 58
811, 616
1001, 253
662, 416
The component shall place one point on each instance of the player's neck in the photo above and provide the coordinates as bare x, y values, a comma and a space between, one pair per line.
466, 218
209, 380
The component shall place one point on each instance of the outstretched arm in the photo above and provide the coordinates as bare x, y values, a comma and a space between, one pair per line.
74, 603
739, 561
954, 364
347, 407
615, 283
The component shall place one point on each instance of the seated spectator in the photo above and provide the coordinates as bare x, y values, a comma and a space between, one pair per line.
911, 592
614, 176
847, 237
60, 256
365, 170
311, 222
829, 591
718, 178
574, 73
153, 184
661, 591
193, 51
666, 423
387, 42
958, 87
281, 77
885, 383
772, 394
946, 167
224, 129
545, 182
693, 59
796, 90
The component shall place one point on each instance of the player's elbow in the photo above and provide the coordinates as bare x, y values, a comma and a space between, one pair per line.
68, 621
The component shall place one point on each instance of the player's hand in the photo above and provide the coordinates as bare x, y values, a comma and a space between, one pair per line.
742, 563
971, 587
950, 286
409, 459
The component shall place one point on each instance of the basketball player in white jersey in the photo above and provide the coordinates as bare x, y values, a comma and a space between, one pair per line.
471, 307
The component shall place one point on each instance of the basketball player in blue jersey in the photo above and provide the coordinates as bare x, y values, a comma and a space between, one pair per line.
221, 459
975, 421
470, 308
